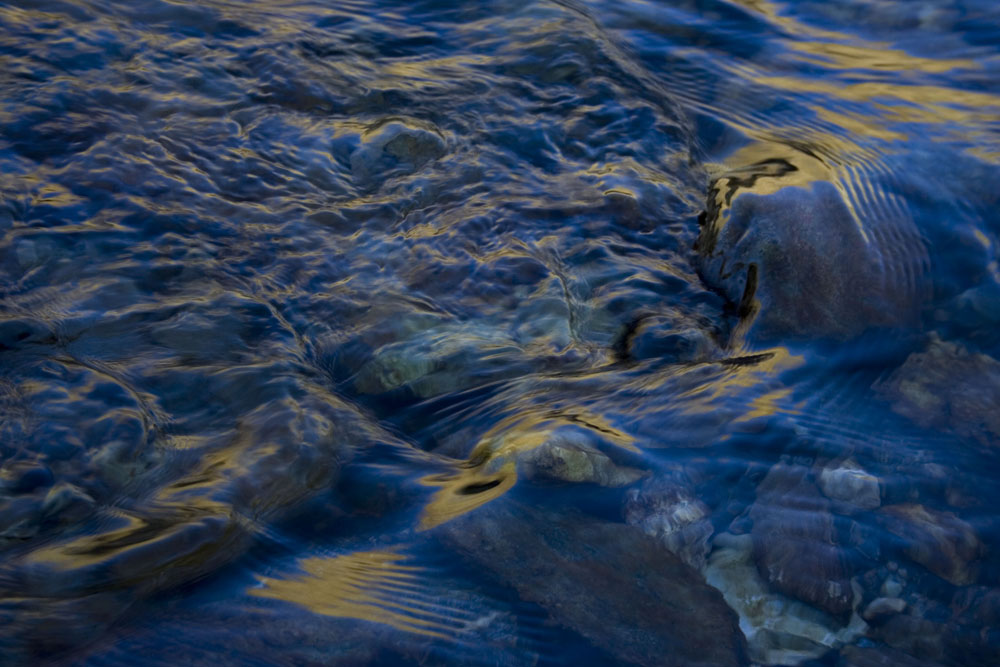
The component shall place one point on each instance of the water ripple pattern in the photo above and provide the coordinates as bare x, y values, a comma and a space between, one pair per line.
515, 332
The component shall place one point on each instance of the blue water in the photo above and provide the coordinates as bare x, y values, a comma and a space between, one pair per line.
508, 333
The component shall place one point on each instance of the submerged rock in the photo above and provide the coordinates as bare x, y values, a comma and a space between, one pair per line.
963, 632
574, 461
438, 360
850, 485
610, 583
880, 607
574, 447
663, 337
395, 146
557, 450
940, 541
948, 387
205, 515
779, 630
795, 543
795, 257
665, 508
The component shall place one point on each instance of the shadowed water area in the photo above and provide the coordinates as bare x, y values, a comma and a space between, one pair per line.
507, 333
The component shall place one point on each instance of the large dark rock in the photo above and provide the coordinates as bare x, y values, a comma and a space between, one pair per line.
609, 582
794, 541
798, 262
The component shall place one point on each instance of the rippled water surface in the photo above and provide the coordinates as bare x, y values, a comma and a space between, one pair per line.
507, 333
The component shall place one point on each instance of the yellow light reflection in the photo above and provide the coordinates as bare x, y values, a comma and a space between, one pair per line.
464, 491
892, 85
372, 586
767, 367
807, 169
768, 405
831, 49
491, 469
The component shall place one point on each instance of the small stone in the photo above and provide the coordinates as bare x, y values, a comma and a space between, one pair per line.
881, 607
67, 503
395, 146
120, 462
559, 451
391, 370
849, 484
575, 462
892, 587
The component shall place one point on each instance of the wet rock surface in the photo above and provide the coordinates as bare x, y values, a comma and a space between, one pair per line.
948, 386
665, 507
796, 260
779, 629
795, 544
557, 450
270, 272
609, 582
574, 460
882, 607
850, 486
940, 541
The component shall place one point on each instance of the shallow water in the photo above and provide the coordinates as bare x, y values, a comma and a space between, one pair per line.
500, 333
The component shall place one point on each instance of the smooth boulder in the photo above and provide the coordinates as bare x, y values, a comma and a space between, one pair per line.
798, 261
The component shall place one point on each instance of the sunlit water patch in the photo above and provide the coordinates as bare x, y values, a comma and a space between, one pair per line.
500, 333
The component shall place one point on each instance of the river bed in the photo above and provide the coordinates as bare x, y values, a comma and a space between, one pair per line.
506, 333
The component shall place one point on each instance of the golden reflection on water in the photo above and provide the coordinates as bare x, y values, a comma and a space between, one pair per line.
464, 491
491, 469
831, 49
872, 90
923, 103
808, 169
769, 365
876, 56
768, 404
372, 586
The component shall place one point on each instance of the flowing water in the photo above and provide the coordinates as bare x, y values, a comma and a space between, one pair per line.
508, 333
